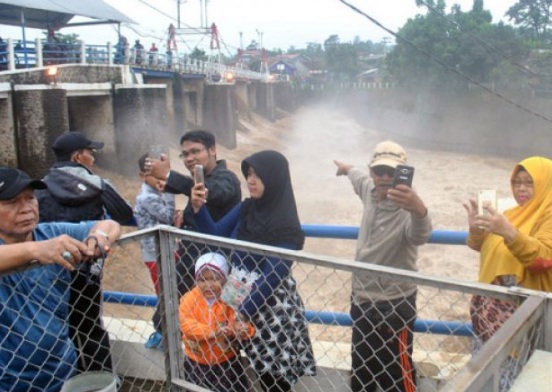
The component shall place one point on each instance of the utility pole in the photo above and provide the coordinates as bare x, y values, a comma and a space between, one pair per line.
241, 39
260, 35
178, 13
385, 41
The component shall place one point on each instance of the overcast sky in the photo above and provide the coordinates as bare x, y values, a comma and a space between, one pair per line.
280, 23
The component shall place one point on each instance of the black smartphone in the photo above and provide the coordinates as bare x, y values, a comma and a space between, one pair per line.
403, 175
199, 177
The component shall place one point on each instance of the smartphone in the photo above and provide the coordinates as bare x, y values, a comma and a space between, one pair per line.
199, 177
403, 175
486, 197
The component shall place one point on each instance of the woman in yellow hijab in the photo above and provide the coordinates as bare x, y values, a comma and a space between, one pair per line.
516, 248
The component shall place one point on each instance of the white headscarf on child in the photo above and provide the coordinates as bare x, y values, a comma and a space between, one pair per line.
213, 261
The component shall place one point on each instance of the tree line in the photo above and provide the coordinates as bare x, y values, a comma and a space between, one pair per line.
451, 50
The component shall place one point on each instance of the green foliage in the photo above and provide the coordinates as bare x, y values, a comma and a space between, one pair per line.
463, 41
198, 54
532, 16
64, 38
341, 61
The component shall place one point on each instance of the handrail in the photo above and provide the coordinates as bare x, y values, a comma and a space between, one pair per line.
454, 328
448, 237
40, 53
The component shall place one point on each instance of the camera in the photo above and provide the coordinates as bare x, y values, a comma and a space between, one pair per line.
403, 175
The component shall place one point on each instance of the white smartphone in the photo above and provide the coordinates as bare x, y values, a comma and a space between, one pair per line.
486, 197
199, 176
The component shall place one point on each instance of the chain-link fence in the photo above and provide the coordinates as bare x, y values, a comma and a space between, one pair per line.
307, 314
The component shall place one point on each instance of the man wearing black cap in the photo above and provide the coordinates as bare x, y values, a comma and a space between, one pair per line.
76, 194
36, 352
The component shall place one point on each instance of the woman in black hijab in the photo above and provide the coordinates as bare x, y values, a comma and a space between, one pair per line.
281, 350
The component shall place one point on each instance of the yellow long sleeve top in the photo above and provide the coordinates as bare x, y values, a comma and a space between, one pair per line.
526, 249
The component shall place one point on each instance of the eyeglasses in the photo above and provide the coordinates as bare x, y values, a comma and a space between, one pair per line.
519, 183
382, 170
193, 151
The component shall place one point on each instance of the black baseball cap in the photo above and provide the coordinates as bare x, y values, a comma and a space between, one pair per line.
72, 141
14, 181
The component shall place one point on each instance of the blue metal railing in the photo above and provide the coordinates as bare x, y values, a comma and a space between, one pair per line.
448, 237
316, 317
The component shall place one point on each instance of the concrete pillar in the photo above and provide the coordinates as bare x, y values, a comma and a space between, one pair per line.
283, 96
41, 113
242, 96
140, 117
93, 115
265, 101
219, 113
8, 151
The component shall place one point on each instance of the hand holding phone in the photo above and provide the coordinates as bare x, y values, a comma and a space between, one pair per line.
404, 174
199, 176
486, 198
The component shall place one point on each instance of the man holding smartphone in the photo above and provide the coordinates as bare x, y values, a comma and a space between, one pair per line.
395, 222
198, 148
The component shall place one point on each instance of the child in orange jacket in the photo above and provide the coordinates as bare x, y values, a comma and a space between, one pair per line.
211, 332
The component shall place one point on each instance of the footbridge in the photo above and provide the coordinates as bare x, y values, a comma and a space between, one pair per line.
130, 100
38, 53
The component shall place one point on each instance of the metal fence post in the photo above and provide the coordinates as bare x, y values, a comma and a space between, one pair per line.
83, 53
11, 55
38, 50
109, 53
174, 357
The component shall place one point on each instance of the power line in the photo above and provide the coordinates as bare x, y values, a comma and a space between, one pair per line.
445, 65
197, 30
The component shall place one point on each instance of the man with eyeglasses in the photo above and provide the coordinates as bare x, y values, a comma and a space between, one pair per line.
76, 194
395, 222
198, 148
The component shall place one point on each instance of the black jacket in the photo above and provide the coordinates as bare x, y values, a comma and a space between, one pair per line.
75, 194
224, 192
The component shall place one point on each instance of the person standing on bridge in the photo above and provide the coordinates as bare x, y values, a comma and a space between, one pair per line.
138, 52
395, 222
515, 250
76, 194
198, 148
152, 55
36, 352
281, 350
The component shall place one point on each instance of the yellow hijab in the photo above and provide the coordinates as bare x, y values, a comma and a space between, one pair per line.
496, 259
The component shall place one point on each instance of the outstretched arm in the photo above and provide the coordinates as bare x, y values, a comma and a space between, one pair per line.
51, 251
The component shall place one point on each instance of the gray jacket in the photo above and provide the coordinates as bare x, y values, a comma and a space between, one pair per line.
152, 208
389, 236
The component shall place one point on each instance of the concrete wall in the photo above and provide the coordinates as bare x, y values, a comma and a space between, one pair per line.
189, 96
266, 105
93, 115
220, 113
67, 73
140, 113
41, 115
129, 118
8, 150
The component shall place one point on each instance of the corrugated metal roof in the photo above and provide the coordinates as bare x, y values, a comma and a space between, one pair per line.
43, 14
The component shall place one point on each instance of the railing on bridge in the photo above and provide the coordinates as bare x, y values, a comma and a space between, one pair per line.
442, 346
40, 53
442, 342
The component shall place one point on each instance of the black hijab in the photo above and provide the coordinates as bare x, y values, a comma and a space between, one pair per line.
272, 219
